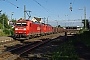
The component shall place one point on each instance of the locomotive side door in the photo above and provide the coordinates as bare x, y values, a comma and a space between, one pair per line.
30, 28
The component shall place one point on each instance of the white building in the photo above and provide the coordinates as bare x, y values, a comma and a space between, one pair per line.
35, 19
11, 23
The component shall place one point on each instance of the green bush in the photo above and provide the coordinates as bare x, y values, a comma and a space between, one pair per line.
83, 30
2, 33
12, 31
1, 26
7, 31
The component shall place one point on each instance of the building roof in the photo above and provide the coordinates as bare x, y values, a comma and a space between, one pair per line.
38, 19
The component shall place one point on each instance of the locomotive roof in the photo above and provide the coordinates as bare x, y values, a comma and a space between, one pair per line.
48, 24
33, 22
23, 20
41, 23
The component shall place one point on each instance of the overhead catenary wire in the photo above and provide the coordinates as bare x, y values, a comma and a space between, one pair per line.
10, 3
73, 3
40, 5
45, 8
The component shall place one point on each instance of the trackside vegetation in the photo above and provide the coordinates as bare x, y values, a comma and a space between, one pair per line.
67, 50
5, 28
84, 37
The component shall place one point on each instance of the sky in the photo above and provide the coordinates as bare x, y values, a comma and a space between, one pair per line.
57, 11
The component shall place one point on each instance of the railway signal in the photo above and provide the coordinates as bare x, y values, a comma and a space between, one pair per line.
70, 8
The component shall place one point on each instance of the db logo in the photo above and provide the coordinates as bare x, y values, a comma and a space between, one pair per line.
38, 28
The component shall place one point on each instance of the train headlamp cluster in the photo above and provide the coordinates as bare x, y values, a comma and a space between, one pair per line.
20, 29
16, 28
24, 29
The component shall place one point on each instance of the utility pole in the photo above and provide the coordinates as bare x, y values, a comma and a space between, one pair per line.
44, 20
47, 20
81, 20
85, 17
24, 12
56, 22
47, 25
65, 25
3, 23
56, 26
11, 15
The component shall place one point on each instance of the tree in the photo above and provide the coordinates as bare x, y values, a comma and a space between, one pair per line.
1, 26
14, 21
7, 28
4, 19
20, 19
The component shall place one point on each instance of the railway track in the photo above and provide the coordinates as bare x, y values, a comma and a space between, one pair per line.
5, 45
21, 50
26, 46
6, 42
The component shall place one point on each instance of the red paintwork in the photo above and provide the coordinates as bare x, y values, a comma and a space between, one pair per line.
34, 28
21, 28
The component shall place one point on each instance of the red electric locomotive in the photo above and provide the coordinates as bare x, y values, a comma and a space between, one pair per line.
27, 28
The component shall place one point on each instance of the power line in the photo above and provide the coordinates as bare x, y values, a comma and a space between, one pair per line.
73, 3
40, 5
44, 8
10, 3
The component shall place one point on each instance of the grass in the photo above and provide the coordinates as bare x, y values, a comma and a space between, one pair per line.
65, 52
84, 38
2, 33
66, 49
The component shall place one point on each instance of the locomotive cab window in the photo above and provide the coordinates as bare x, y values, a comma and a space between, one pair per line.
21, 24
18, 24
24, 24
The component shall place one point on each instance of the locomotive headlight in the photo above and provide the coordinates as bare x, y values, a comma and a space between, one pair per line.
16, 28
24, 29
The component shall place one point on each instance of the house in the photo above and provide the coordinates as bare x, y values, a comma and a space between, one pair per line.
11, 23
35, 19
